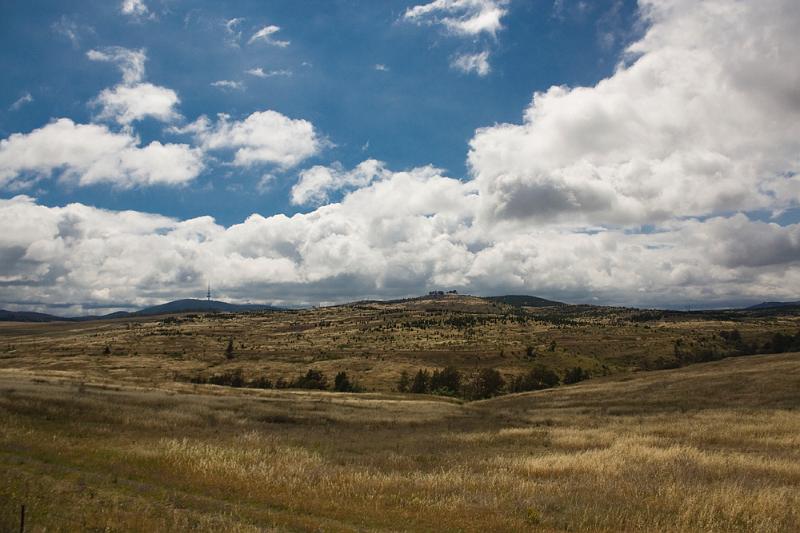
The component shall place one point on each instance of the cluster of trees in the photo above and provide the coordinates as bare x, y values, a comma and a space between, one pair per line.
484, 383
311, 380
732, 344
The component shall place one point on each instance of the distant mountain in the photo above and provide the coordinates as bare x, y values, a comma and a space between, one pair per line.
773, 305
178, 306
26, 316
521, 300
188, 306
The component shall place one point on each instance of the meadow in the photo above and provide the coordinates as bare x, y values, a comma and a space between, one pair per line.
120, 441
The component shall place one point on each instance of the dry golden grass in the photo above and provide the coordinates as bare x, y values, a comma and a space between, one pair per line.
372, 342
712, 447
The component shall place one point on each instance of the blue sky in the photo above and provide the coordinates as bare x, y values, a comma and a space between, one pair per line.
419, 111
625, 152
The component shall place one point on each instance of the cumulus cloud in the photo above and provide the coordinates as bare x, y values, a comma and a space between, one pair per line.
698, 124
89, 154
317, 182
704, 118
472, 63
462, 17
132, 99
126, 104
370, 244
262, 137
265, 35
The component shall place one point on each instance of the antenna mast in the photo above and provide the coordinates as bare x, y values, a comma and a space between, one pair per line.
208, 293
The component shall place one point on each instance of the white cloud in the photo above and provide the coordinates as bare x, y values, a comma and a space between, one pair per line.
134, 8
126, 104
265, 34
89, 154
228, 84
316, 182
380, 67
701, 121
21, 101
129, 62
133, 100
372, 244
462, 17
262, 137
705, 119
261, 73
472, 63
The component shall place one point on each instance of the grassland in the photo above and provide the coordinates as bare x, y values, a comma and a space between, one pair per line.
375, 341
711, 447
120, 440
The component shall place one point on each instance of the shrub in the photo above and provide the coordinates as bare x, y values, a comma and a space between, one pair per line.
342, 383
404, 382
421, 383
487, 383
446, 381
229, 349
576, 374
537, 378
314, 379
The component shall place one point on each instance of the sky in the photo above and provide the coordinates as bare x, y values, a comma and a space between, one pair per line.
313, 152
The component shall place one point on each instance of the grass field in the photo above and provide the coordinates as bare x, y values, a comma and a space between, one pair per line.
102, 429
375, 341
710, 447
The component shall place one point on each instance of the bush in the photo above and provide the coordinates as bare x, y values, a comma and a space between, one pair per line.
261, 383
537, 378
446, 381
421, 383
314, 379
576, 374
342, 383
487, 383
229, 349
404, 382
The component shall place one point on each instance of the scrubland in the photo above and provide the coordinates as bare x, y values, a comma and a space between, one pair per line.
710, 447
101, 428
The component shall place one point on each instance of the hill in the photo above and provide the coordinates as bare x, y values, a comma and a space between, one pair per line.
711, 447
773, 305
177, 306
519, 300
191, 306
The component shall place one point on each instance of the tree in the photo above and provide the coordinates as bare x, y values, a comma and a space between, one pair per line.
314, 379
530, 352
229, 349
539, 377
421, 383
576, 374
486, 383
446, 381
404, 382
341, 383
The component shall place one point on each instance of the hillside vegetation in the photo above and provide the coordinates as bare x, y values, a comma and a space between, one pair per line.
710, 447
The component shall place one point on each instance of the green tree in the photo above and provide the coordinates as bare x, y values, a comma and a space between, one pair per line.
404, 382
341, 383
576, 374
421, 383
487, 383
446, 381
